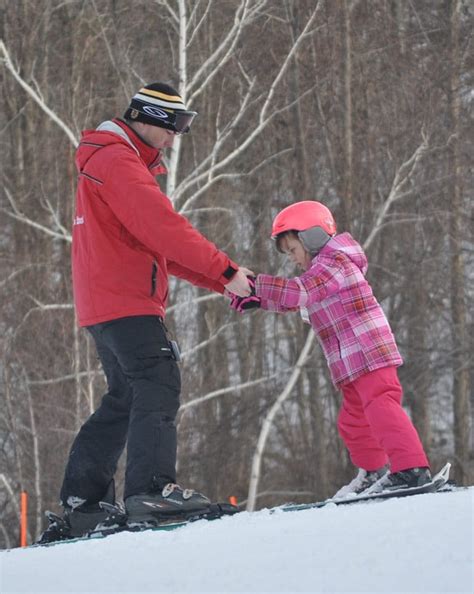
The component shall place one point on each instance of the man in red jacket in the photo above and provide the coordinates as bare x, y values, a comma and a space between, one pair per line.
127, 238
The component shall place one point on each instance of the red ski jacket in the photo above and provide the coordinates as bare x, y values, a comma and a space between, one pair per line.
127, 237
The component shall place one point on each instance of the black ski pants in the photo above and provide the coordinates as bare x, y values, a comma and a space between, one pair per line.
139, 409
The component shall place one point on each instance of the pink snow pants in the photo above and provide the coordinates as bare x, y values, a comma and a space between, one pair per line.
374, 426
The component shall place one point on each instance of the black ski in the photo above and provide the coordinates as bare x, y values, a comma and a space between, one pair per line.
436, 484
117, 520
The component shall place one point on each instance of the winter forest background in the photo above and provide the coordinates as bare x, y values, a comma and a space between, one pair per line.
365, 105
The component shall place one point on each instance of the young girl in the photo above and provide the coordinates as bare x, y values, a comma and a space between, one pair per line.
357, 341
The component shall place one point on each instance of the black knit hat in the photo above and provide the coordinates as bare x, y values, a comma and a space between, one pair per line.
158, 104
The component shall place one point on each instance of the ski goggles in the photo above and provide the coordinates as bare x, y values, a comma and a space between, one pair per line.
180, 121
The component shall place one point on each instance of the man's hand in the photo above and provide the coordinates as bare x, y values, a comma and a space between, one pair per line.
239, 283
242, 304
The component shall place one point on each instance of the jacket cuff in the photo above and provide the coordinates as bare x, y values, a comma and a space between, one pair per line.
229, 273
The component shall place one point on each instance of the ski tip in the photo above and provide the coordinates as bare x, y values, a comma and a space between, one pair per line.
444, 472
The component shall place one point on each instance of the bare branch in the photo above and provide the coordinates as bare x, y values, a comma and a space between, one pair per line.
52, 306
199, 24
263, 119
40, 307
109, 48
268, 421
186, 304
64, 378
402, 176
211, 338
217, 60
16, 273
11, 492
165, 4
55, 216
35, 96
228, 390
206, 209
235, 175
19, 216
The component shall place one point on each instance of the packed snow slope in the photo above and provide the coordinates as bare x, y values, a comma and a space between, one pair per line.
422, 543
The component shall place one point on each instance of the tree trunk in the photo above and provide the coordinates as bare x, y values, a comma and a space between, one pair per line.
460, 362
348, 140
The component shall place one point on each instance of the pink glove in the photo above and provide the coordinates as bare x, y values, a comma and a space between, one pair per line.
242, 304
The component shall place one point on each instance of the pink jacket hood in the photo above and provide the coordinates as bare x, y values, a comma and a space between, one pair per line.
348, 245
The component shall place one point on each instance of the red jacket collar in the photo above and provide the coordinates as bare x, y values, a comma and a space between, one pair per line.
150, 155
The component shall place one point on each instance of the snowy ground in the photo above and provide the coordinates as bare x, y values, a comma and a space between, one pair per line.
417, 544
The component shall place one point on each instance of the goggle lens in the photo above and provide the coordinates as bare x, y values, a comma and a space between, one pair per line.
183, 120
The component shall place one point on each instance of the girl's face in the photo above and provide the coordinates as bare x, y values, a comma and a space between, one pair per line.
295, 251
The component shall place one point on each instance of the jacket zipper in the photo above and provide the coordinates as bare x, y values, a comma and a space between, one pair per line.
154, 270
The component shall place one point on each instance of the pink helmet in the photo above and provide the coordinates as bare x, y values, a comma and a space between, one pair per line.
302, 216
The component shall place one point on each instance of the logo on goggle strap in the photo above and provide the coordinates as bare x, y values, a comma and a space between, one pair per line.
155, 112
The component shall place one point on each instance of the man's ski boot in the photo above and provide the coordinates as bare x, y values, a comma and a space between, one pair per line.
82, 519
361, 483
58, 529
399, 481
170, 504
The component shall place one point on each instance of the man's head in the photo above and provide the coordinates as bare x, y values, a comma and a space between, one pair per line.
158, 112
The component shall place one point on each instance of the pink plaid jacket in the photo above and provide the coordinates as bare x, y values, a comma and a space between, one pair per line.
350, 324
